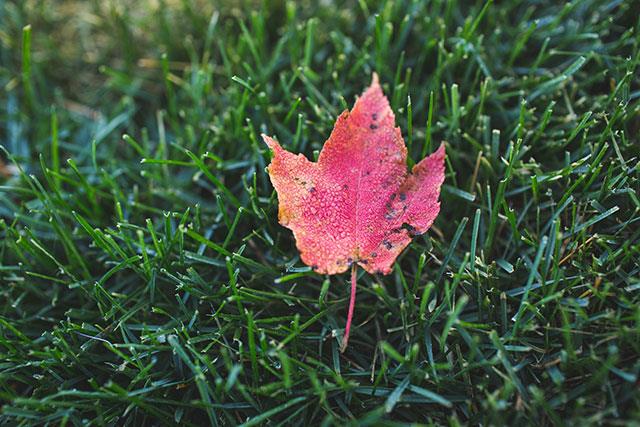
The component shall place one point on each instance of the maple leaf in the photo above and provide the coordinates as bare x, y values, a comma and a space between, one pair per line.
356, 205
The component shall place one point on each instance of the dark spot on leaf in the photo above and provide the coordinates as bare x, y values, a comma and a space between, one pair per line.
345, 186
374, 254
387, 244
403, 196
410, 229
393, 196
373, 126
374, 116
349, 260
364, 261
314, 267
312, 190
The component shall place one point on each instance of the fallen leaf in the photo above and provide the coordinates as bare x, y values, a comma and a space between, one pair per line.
357, 205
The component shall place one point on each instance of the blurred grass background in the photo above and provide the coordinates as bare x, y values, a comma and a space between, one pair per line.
144, 278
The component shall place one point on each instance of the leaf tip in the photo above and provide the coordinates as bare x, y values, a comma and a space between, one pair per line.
375, 81
272, 143
440, 152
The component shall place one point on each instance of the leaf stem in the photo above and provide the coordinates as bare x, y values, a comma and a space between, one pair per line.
352, 305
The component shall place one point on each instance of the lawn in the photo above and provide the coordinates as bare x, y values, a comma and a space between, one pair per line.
145, 280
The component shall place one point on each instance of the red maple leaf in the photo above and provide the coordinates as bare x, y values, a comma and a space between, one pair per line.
357, 205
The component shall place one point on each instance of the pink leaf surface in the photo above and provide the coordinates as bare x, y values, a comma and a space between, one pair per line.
357, 204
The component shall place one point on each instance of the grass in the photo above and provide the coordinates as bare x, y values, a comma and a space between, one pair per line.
145, 279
